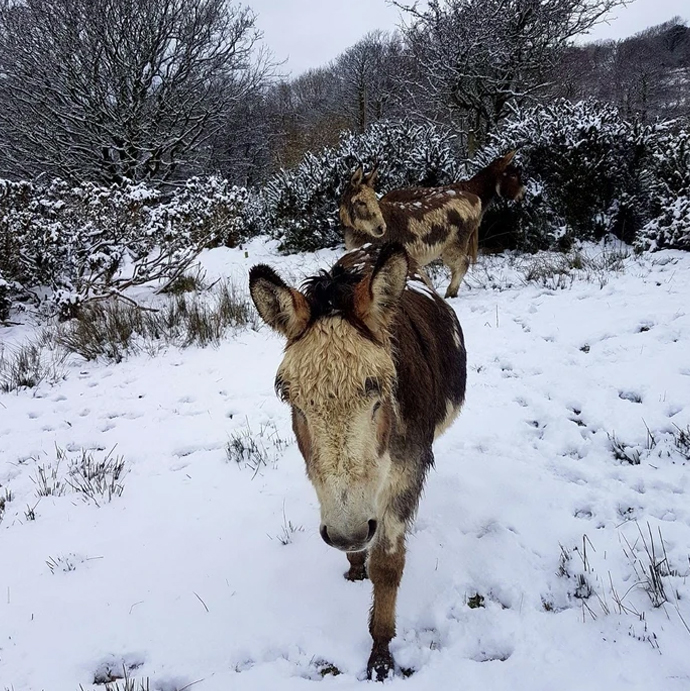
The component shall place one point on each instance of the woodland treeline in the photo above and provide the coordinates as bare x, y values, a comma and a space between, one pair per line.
160, 90
135, 133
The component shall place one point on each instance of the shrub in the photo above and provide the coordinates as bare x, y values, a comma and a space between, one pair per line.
90, 241
300, 205
5, 299
584, 166
669, 190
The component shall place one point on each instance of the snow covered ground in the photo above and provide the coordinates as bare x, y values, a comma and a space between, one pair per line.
557, 517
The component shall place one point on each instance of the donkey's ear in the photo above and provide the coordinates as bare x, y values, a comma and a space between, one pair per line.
357, 177
384, 288
505, 161
370, 180
283, 308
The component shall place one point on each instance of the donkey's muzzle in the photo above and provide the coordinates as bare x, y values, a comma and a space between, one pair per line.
379, 232
349, 542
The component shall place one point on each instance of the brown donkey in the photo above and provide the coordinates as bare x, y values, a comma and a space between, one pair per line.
431, 222
374, 370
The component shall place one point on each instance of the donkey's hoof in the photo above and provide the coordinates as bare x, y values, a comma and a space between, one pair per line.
381, 665
356, 573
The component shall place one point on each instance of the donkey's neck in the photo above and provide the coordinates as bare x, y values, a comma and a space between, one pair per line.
484, 184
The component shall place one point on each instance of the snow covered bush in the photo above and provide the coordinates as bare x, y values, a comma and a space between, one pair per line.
669, 190
78, 243
5, 299
300, 205
584, 167
211, 210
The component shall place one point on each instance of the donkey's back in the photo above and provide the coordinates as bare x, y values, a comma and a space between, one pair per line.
431, 226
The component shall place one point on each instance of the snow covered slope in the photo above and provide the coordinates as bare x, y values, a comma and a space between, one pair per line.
557, 517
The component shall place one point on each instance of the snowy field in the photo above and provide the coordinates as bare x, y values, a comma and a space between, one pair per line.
551, 550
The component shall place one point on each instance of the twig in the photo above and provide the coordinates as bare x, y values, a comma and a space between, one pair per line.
203, 603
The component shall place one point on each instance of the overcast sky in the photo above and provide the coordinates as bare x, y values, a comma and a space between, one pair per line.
310, 33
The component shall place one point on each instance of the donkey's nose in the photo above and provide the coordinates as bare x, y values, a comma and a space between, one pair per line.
380, 231
349, 542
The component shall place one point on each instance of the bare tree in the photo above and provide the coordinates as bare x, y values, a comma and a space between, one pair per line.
366, 72
645, 75
119, 89
477, 57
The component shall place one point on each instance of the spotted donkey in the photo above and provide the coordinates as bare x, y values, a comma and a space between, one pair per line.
431, 222
374, 370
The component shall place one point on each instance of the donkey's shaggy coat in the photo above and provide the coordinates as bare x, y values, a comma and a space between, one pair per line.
374, 370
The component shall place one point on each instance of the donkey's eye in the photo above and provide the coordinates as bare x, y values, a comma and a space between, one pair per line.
377, 405
372, 386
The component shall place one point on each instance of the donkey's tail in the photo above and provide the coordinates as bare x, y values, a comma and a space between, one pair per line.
473, 245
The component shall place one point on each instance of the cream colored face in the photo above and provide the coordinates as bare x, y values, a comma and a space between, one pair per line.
361, 211
339, 385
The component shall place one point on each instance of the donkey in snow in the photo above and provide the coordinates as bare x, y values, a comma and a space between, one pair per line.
431, 222
374, 370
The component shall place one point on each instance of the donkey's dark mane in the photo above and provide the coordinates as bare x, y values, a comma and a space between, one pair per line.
332, 293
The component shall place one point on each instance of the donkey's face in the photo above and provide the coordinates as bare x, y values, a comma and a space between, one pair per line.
509, 180
359, 205
338, 376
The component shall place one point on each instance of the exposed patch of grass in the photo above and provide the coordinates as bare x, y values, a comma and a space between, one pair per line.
549, 270
48, 481
650, 563
113, 329
255, 451
97, 481
187, 283
625, 453
29, 364
681, 441
288, 530
30, 513
64, 563
6, 497
558, 271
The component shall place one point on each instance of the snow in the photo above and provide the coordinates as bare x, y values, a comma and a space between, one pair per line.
185, 579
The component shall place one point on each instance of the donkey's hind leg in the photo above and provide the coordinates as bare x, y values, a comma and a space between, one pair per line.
358, 569
458, 262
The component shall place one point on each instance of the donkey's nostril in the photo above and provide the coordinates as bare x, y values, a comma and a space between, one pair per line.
372, 529
324, 535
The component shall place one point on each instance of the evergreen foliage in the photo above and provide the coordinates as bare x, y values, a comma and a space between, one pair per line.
300, 205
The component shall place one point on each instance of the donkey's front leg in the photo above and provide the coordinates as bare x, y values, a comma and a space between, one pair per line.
386, 564
358, 569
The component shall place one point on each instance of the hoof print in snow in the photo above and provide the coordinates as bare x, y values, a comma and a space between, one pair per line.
585, 348
326, 669
583, 513
644, 327
115, 668
476, 601
631, 396
492, 655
